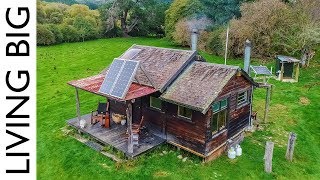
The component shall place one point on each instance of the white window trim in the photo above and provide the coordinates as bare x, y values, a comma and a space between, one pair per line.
244, 102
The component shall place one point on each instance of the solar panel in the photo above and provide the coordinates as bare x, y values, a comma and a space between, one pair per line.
119, 77
130, 54
262, 70
111, 76
125, 78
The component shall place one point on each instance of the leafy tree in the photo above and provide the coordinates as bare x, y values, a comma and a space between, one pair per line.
133, 15
178, 10
152, 19
55, 29
221, 11
44, 35
70, 33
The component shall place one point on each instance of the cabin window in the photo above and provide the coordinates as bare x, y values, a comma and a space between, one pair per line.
155, 103
219, 118
219, 121
242, 98
220, 105
184, 112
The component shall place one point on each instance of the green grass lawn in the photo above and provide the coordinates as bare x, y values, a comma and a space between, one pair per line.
294, 107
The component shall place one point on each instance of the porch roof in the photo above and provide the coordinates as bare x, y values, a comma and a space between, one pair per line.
92, 84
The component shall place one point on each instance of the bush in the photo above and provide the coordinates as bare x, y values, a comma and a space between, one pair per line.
44, 35
70, 33
178, 10
216, 41
55, 29
272, 26
182, 34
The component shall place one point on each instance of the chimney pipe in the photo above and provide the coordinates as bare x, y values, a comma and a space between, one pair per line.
247, 52
194, 39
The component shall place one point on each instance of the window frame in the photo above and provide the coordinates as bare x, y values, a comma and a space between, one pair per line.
246, 99
184, 117
219, 128
153, 107
221, 109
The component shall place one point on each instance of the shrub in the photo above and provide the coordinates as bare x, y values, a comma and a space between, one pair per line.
44, 35
273, 27
55, 29
70, 33
182, 34
178, 10
216, 41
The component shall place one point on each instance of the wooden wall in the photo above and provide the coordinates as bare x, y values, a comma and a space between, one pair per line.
237, 118
194, 135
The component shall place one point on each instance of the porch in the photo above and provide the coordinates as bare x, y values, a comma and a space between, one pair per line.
117, 136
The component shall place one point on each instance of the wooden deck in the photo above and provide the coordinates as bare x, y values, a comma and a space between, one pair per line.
116, 136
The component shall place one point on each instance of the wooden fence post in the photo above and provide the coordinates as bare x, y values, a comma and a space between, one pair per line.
290, 146
268, 157
129, 123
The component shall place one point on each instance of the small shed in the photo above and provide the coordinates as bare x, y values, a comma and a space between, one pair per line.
287, 68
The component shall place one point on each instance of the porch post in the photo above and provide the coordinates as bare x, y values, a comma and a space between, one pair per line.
297, 72
78, 106
266, 109
282, 71
129, 123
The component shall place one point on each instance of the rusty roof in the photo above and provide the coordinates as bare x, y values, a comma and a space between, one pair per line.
92, 84
158, 66
199, 85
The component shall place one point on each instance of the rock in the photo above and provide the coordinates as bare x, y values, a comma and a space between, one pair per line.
184, 159
180, 157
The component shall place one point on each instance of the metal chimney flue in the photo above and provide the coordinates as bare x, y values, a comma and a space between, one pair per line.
247, 53
194, 39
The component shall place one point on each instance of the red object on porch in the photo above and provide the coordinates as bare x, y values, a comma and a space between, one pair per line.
92, 84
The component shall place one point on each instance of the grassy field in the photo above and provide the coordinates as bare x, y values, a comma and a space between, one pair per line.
294, 107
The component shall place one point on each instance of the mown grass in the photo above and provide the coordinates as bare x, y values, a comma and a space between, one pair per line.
294, 107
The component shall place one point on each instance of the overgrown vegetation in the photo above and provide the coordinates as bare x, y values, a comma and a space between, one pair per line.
59, 23
274, 27
134, 18
294, 107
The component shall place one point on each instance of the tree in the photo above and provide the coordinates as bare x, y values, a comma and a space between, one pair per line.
178, 10
221, 11
44, 35
70, 33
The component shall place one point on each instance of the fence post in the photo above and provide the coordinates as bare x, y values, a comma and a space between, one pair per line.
268, 157
290, 146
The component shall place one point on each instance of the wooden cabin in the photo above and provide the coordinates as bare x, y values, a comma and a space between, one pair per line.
197, 106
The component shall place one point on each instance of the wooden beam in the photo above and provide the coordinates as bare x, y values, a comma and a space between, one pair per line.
266, 108
282, 71
78, 105
129, 123
268, 157
297, 72
290, 146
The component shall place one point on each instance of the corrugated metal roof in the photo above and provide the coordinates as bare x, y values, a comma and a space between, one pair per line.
199, 85
92, 84
159, 65
287, 59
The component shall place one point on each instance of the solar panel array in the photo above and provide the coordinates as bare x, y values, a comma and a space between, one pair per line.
261, 70
119, 77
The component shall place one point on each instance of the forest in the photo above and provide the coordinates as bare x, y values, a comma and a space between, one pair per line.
274, 26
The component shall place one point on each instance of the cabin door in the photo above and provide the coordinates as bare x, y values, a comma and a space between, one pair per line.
137, 110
